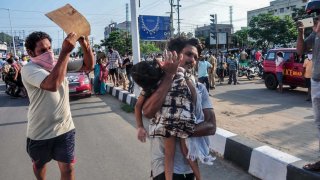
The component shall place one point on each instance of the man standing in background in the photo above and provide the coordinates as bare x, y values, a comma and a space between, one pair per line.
212, 72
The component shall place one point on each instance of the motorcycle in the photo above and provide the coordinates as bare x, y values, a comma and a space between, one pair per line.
255, 69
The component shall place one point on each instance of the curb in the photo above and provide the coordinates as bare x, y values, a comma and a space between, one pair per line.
257, 159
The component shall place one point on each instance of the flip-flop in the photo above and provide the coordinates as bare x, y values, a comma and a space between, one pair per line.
312, 166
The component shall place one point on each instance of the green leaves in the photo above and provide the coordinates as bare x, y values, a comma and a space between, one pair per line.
268, 29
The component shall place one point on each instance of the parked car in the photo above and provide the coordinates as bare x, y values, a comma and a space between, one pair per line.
292, 68
79, 84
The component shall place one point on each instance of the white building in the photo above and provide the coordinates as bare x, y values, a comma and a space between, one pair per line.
278, 8
124, 26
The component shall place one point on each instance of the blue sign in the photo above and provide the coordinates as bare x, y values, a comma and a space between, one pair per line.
154, 28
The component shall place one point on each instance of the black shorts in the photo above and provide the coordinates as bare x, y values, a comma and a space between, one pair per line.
60, 148
308, 82
175, 176
113, 71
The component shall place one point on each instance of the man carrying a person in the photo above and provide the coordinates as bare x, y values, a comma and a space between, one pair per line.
188, 51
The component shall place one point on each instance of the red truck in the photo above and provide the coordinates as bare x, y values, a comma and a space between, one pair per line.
292, 69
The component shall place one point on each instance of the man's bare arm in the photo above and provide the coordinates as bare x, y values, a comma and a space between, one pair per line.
208, 126
87, 54
300, 40
155, 101
54, 80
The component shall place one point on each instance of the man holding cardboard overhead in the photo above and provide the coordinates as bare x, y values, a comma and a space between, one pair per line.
50, 130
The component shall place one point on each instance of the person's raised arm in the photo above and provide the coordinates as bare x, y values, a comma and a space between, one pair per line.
155, 101
300, 40
54, 80
87, 54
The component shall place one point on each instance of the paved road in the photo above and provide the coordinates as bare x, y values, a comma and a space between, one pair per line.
283, 121
106, 147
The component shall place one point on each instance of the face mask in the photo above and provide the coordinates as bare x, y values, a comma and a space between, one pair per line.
45, 60
309, 56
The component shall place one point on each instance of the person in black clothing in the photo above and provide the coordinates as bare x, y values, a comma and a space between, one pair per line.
128, 64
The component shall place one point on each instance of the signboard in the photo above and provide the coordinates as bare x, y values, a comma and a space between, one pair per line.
222, 39
70, 20
154, 28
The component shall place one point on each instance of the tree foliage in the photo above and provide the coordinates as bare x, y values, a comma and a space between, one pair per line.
5, 38
268, 29
148, 47
119, 40
241, 37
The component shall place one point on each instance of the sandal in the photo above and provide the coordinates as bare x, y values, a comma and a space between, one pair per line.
312, 166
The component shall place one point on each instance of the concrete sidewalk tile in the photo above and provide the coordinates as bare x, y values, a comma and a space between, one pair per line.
121, 94
116, 91
269, 163
124, 98
239, 149
218, 141
295, 172
129, 97
133, 101
110, 90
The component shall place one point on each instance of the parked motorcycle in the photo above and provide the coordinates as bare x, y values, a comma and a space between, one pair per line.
254, 69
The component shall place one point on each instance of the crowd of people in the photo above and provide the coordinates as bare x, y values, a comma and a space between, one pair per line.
10, 69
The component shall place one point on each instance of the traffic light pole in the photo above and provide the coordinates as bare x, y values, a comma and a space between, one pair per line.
217, 43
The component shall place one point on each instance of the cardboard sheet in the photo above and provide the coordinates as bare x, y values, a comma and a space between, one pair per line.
70, 20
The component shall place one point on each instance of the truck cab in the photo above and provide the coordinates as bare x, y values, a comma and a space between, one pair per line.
292, 69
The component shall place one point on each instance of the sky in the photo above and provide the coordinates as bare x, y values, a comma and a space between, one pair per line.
29, 15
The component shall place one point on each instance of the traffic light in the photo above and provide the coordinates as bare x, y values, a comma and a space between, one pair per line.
213, 25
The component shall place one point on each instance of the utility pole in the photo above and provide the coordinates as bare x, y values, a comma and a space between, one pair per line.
231, 12
178, 10
127, 27
171, 18
13, 43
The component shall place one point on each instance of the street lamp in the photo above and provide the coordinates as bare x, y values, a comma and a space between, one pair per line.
13, 43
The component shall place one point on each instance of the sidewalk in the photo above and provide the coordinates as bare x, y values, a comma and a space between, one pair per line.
258, 159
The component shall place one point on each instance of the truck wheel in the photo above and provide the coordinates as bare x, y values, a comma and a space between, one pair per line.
271, 82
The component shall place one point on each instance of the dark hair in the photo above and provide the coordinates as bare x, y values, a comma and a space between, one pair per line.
35, 37
147, 74
177, 44
280, 54
10, 61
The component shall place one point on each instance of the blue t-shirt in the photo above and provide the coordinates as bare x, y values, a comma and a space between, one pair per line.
203, 68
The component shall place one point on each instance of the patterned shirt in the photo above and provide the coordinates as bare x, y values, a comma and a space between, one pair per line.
114, 59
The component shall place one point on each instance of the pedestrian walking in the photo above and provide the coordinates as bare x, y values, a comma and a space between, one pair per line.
50, 129
203, 68
221, 67
100, 76
212, 72
114, 60
128, 63
279, 70
233, 66
307, 73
